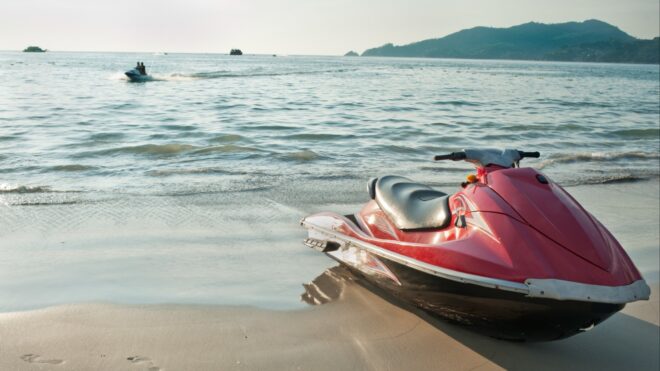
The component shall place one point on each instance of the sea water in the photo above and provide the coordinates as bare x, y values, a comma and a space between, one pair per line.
188, 188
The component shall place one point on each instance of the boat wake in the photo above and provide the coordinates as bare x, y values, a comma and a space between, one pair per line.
206, 75
120, 76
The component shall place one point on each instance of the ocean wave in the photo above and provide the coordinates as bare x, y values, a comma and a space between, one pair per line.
6, 138
42, 203
541, 127
228, 106
106, 136
120, 106
303, 156
169, 150
346, 105
650, 133
145, 149
239, 187
343, 176
319, 137
443, 169
402, 149
71, 167
455, 103
193, 171
7, 188
207, 170
622, 179
575, 104
228, 148
610, 179
400, 109
179, 127
269, 127
597, 157
225, 138
18, 169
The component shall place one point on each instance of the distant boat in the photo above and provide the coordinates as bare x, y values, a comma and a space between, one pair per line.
34, 49
236, 52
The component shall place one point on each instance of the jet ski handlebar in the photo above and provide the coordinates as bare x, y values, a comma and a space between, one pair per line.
529, 154
454, 156
486, 156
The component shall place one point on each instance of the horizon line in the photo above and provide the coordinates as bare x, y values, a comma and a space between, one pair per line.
168, 52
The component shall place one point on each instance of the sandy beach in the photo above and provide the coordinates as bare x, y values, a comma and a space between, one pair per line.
359, 331
350, 328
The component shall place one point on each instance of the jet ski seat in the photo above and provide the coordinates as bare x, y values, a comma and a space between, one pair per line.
410, 205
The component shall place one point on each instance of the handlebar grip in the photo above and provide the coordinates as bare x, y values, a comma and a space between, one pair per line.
529, 154
454, 156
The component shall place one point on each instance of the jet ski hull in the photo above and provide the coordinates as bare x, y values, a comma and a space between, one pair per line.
498, 308
135, 76
493, 312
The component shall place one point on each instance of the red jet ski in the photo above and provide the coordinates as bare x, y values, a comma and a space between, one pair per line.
511, 254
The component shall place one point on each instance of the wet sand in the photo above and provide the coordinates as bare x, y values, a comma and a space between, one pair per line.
359, 331
353, 329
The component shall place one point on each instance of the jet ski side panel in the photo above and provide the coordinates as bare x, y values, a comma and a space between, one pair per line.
491, 244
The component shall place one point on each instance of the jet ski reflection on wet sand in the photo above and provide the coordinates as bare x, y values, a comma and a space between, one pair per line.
511, 254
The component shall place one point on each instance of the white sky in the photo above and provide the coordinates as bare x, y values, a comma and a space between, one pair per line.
287, 26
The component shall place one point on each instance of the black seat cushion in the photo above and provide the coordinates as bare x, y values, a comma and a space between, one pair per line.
412, 205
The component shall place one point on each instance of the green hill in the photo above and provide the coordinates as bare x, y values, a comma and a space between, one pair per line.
590, 40
33, 49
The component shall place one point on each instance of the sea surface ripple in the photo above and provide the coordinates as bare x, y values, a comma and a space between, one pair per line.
71, 121
224, 144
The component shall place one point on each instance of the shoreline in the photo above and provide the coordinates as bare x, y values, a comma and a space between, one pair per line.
354, 328
149, 250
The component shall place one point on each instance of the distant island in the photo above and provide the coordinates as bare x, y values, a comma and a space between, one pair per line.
34, 49
236, 52
588, 41
351, 54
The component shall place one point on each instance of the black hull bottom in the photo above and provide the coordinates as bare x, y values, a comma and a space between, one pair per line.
500, 314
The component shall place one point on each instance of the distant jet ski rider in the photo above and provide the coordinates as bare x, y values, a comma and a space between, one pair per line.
141, 68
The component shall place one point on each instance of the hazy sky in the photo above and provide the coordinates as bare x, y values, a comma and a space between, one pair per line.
287, 26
